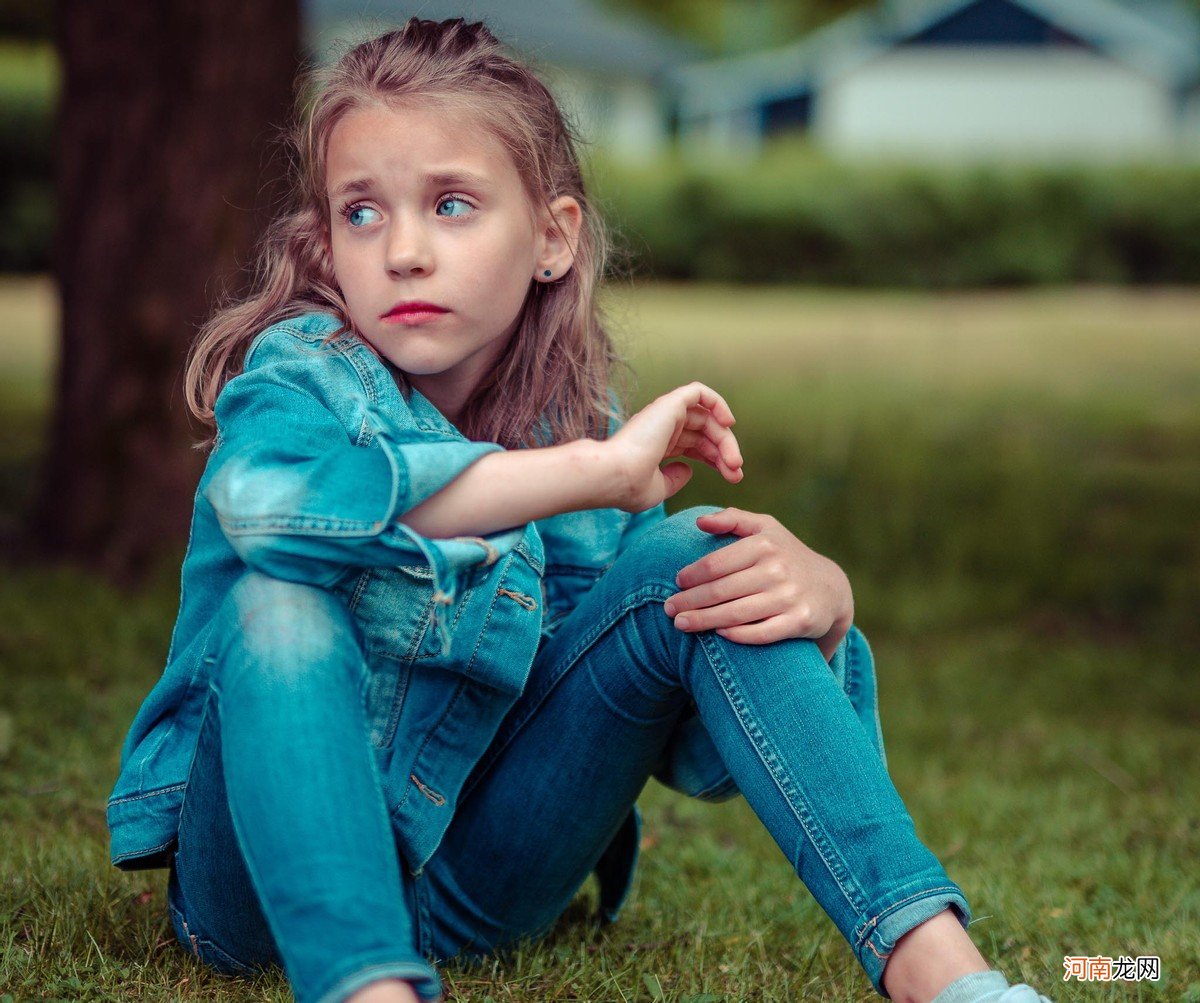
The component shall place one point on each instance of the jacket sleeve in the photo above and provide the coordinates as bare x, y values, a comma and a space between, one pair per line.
301, 498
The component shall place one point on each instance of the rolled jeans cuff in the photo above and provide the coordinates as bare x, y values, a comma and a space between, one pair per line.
421, 974
878, 934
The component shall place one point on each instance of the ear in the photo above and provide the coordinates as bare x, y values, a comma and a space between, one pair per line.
559, 228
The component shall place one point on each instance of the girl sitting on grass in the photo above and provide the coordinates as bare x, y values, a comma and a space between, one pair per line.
436, 629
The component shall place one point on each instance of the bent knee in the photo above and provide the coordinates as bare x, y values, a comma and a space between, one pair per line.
674, 543
286, 628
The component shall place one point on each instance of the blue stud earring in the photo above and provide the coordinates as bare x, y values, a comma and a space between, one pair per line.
546, 273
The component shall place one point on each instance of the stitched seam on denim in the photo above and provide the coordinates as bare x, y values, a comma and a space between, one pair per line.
364, 376
458, 692
240, 967
653, 592
852, 683
399, 693
360, 588
365, 432
863, 930
141, 852
881, 957
199, 936
460, 605
538, 565
148, 794
857, 644
723, 782
301, 524
190, 936
427, 618
790, 790
583, 570
286, 326
487, 618
417, 641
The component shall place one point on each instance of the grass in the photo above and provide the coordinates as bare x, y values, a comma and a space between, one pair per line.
1011, 482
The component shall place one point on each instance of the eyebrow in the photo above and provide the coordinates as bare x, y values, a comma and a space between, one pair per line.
449, 178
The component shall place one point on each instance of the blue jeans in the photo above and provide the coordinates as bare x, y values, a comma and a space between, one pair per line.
261, 875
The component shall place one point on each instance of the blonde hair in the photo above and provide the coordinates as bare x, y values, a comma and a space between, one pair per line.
560, 362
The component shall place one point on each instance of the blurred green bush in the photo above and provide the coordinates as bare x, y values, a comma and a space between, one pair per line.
792, 216
28, 88
798, 217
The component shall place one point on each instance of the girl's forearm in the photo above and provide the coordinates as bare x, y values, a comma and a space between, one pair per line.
505, 489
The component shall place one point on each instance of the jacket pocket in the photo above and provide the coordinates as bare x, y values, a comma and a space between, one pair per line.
394, 609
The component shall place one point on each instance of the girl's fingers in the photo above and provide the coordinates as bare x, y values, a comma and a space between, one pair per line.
724, 439
718, 433
711, 400
730, 613
693, 445
708, 452
701, 448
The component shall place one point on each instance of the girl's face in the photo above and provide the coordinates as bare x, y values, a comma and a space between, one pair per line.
425, 205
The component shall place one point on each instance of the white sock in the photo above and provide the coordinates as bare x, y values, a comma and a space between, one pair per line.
974, 987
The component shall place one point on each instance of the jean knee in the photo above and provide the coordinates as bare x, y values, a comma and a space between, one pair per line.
289, 632
674, 543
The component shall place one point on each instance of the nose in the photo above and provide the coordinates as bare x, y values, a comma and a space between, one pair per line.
408, 247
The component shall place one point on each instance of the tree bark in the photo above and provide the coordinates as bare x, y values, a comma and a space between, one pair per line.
167, 168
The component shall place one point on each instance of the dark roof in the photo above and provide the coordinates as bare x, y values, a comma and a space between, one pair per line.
1157, 37
574, 34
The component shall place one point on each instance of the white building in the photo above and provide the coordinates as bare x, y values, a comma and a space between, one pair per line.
977, 79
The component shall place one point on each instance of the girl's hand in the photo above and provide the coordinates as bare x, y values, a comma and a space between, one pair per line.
692, 421
768, 576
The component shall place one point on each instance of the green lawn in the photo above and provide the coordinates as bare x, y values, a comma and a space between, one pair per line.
1011, 482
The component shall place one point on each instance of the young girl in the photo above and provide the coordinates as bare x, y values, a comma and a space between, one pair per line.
436, 629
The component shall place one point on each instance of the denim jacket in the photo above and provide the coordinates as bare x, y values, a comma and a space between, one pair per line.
317, 454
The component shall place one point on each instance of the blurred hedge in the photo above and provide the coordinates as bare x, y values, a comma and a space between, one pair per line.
792, 217
796, 217
28, 85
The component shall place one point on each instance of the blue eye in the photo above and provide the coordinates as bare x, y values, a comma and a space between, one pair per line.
459, 201
351, 211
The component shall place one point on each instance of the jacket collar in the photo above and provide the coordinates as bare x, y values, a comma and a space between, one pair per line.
425, 415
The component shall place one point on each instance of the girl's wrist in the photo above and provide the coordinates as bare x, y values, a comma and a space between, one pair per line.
600, 467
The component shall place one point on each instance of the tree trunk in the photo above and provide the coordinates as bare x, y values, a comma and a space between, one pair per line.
167, 167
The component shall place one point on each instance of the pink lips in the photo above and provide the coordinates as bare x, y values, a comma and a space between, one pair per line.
414, 312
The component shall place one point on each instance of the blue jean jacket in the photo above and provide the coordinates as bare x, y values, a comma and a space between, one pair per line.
316, 456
